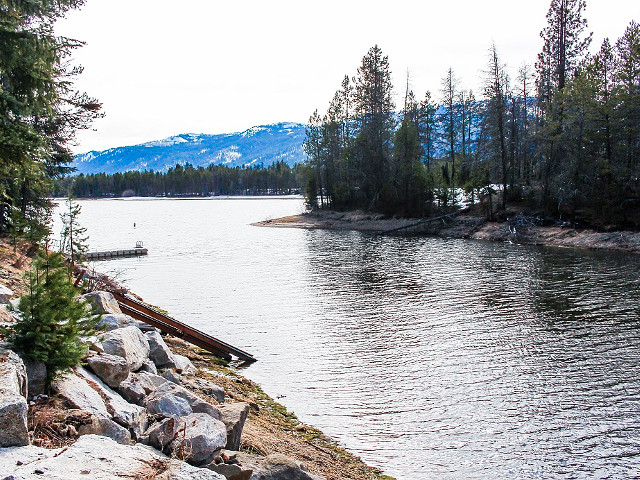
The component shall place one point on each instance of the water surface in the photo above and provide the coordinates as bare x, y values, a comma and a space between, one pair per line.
429, 358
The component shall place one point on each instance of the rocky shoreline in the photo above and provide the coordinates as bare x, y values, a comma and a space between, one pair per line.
144, 406
467, 225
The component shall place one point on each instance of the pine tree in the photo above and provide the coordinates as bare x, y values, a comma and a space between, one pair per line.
39, 110
496, 84
374, 109
564, 45
449, 122
52, 319
74, 238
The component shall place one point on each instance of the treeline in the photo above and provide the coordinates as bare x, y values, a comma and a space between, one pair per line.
39, 112
563, 136
187, 180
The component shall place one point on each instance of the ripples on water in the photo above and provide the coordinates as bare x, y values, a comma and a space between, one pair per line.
429, 358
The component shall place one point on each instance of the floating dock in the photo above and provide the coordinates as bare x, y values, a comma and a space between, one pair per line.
130, 252
133, 252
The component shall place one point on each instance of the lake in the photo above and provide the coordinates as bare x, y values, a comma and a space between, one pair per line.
429, 358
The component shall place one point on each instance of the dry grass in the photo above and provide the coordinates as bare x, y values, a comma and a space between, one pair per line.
53, 425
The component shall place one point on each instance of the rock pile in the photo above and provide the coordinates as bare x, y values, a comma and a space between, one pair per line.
140, 414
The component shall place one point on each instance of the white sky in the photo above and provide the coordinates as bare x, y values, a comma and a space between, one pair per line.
162, 67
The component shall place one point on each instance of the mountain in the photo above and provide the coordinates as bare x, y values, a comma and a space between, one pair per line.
262, 145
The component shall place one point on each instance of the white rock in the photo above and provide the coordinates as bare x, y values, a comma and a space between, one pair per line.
79, 394
13, 401
126, 414
129, 343
102, 302
233, 416
138, 385
184, 365
173, 400
112, 369
111, 321
5, 294
97, 458
195, 438
159, 352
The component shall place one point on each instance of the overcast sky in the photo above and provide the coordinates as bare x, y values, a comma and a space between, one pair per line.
164, 67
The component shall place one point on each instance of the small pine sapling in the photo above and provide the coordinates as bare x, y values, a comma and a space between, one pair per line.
52, 318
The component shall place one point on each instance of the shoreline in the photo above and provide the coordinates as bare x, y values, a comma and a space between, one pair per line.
461, 225
270, 428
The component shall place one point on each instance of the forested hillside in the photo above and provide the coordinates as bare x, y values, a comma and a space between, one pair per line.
187, 180
561, 137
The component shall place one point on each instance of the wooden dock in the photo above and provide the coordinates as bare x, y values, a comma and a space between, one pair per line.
132, 252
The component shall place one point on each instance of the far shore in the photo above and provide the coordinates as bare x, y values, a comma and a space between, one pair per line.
462, 225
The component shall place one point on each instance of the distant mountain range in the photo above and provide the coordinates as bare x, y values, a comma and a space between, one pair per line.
257, 146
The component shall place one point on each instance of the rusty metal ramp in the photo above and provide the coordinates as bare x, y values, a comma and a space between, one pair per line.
166, 324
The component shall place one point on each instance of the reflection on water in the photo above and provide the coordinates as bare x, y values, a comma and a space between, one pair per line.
429, 358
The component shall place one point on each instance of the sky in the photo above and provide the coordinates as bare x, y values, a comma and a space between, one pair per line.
162, 68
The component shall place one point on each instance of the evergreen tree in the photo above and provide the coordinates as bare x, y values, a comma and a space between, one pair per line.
374, 109
39, 110
52, 319
74, 238
496, 84
449, 123
564, 45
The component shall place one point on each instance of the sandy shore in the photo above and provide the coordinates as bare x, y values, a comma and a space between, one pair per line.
463, 225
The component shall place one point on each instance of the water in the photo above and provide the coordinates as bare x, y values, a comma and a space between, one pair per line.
429, 358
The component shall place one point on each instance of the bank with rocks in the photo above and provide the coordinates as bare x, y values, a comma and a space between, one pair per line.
512, 226
145, 405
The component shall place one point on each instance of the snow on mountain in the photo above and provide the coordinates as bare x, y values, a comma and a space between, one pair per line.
260, 145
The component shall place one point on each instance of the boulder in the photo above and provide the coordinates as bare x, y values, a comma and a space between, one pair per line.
111, 369
126, 414
173, 400
230, 471
172, 376
278, 467
13, 401
96, 457
13, 457
149, 367
13, 420
132, 391
13, 374
196, 438
112, 321
205, 386
102, 302
168, 405
159, 353
184, 365
138, 385
128, 343
106, 428
5, 294
36, 376
77, 393
233, 416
